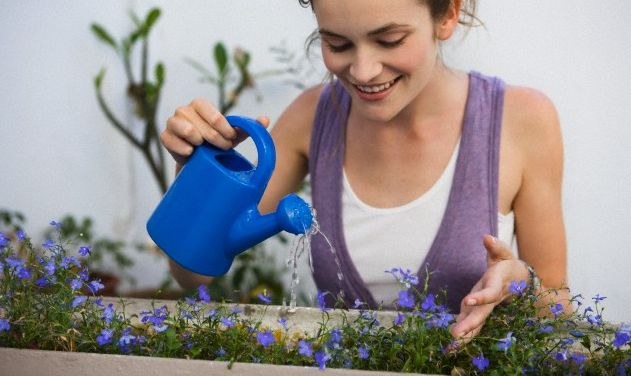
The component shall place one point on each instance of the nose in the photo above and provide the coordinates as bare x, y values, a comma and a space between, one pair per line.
365, 66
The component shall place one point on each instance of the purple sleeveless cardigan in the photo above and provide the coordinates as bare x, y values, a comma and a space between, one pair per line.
457, 258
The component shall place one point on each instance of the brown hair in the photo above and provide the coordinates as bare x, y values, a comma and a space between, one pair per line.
438, 9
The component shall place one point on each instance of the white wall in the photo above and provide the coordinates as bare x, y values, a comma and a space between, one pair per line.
60, 155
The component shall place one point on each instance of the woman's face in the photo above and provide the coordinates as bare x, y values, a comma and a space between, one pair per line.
383, 52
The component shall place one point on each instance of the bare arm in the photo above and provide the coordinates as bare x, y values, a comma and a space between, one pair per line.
533, 148
538, 205
200, 121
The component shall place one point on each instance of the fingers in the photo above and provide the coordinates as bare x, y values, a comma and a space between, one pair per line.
241, 135
470, 322
497, 249
218, 132
492, 293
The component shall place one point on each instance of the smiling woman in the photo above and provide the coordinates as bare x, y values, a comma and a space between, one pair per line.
579, 60
409, 155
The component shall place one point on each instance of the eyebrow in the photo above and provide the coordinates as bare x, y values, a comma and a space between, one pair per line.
381, 30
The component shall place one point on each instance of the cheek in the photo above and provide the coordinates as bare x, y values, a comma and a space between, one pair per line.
414, 58
333, 62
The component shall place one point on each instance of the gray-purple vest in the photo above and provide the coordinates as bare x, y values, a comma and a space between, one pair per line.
457, 258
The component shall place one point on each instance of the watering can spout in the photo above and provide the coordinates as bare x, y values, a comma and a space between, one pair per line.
292, 215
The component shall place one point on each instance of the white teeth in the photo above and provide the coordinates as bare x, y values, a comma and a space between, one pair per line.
375, 88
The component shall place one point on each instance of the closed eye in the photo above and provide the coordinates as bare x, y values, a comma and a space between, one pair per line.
391, 44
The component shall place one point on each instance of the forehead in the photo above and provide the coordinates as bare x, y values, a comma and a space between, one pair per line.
363, 16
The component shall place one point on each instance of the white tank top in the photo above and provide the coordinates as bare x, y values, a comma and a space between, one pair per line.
379, 239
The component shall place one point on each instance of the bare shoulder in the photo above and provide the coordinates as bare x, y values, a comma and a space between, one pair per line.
531, 122
294, 124
530, 113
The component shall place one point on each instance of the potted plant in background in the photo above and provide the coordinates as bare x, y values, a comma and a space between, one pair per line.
255, 270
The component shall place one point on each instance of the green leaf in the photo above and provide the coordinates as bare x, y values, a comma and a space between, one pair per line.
98, 79
103, 35
221, 58
159, 72
151, 19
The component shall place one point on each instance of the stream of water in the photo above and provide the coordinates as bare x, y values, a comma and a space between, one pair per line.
301, 245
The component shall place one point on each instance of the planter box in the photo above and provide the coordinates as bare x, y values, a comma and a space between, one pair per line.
52, 363
19, 362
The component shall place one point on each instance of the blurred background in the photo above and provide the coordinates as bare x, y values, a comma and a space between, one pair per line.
62, 157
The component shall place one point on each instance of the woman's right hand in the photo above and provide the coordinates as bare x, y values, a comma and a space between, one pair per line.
197, 122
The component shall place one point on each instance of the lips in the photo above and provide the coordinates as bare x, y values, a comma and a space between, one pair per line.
376, 92
370, 89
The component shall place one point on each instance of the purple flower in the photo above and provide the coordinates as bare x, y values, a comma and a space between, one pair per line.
336, 338
50, 267
220, 352
363, 352
597, 298
304, 348
429, 304
20, 235
56, 224
24, 273
42, 282
95, 285
621, 339
4, 325
48, 244
322, 301
546, 329
358, 303
556, 309
156, 318
84, 250
265, 298
321, 357
406, 299
506, 342
405, 277
4, 241
594, 320
84, 274
203, 293
283, 322
14, 262
108, 314
126, 340
480, 362
66, 261
76, 284
105, 337
440, 320
265, 338
228, 322
78, 300
517, 287
578, 358
400, 319
561, 356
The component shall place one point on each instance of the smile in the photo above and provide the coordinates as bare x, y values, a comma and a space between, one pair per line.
376, 88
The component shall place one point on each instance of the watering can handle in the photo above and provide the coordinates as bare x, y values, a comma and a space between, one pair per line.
264, 146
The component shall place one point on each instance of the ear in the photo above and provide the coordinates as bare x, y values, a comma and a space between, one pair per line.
446, 27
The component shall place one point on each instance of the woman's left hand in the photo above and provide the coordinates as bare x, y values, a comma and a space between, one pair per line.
502, 268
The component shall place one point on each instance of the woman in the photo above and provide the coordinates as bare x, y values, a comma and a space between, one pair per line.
412, 164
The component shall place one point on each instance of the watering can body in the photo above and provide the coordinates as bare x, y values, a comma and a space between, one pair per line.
209, 214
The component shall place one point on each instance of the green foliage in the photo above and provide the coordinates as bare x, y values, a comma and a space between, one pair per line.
44, 305
141, 90
102, 249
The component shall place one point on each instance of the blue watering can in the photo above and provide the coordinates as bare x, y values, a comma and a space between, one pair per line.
209, 214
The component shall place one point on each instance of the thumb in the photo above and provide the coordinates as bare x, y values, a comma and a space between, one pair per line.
264, 120
496, 249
